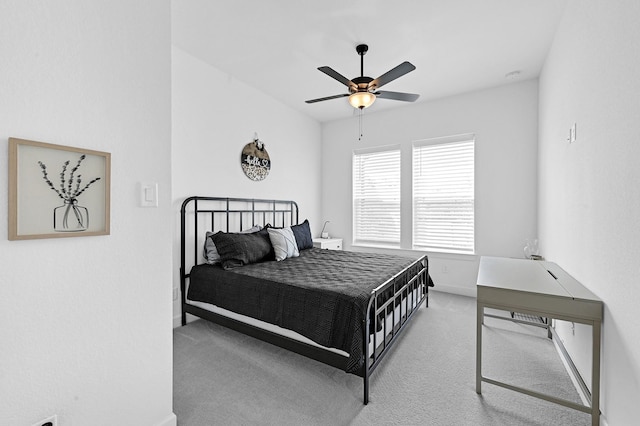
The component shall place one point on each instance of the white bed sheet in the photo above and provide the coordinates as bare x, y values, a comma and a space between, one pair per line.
296, 336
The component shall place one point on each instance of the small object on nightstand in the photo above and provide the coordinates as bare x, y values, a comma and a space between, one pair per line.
322, 233
328, 243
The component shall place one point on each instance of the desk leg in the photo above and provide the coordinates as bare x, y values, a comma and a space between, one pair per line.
595, 374
479, 322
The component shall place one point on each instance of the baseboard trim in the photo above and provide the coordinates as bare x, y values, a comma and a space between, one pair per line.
572, 370
172, 420
177, 321
462, 291
574, 375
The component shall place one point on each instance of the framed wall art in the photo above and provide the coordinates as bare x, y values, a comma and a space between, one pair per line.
57, 191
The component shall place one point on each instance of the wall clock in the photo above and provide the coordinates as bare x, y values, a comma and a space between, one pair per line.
255, 160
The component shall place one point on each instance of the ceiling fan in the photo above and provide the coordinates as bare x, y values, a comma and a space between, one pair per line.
363, 90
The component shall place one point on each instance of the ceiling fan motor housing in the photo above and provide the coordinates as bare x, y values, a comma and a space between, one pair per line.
362, 85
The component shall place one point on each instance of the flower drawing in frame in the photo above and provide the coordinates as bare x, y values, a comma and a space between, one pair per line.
69, 217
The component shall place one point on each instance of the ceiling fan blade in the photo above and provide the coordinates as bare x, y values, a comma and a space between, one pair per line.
397, 96
399, 71
312, 101
336, 75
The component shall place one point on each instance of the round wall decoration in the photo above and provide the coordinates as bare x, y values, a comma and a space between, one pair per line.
255, 160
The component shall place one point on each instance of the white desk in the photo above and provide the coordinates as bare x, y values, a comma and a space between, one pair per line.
540, 289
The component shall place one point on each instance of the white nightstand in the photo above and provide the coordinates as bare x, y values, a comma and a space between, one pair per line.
328, 243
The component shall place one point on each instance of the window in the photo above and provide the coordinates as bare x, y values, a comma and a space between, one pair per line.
376, 197
443, 194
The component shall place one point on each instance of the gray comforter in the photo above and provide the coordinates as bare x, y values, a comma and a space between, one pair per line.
322, 294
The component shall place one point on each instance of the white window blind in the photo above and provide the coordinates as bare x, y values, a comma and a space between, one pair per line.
376, 197
443, 195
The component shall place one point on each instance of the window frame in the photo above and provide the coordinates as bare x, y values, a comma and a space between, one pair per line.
374, 242
469, 249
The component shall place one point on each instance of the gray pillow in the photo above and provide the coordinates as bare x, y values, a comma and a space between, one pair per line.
210, 252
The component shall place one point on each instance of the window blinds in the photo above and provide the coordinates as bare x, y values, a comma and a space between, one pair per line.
376, 197
443, 196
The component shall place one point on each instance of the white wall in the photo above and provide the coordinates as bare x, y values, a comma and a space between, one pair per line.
213, 116
504, 121
589, 196
85, 323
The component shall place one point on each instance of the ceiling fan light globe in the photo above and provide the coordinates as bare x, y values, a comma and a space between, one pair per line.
362, 99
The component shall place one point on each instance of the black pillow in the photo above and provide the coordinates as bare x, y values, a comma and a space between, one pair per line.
302, 233
242, 249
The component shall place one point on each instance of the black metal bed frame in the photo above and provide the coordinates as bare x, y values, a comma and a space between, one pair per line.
284, 213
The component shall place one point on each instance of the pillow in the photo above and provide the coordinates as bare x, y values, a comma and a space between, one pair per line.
242, 249
283, 242
254, 228
210, 252
302, 233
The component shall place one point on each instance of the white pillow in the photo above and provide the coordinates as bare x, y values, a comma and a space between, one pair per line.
283, 242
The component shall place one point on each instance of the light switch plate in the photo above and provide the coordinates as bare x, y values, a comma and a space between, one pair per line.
572, 133
148, 194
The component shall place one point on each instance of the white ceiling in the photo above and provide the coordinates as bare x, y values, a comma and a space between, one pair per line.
456, 45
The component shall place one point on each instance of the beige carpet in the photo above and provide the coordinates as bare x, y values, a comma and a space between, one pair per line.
225, 378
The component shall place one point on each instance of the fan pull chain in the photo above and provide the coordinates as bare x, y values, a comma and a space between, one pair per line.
360, 113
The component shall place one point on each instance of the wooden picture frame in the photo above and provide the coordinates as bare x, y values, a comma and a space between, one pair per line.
57, 191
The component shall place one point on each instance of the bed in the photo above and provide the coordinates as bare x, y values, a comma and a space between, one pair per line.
342, 308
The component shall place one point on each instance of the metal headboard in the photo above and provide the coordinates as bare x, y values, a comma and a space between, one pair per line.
200, 214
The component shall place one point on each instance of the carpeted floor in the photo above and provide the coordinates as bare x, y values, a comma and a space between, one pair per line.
225, 378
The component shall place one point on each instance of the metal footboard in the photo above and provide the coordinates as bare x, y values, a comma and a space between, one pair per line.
387, 301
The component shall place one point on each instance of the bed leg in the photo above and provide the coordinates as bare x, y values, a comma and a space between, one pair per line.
426, 296
366, 388
366, 391
365, 340
365, 376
